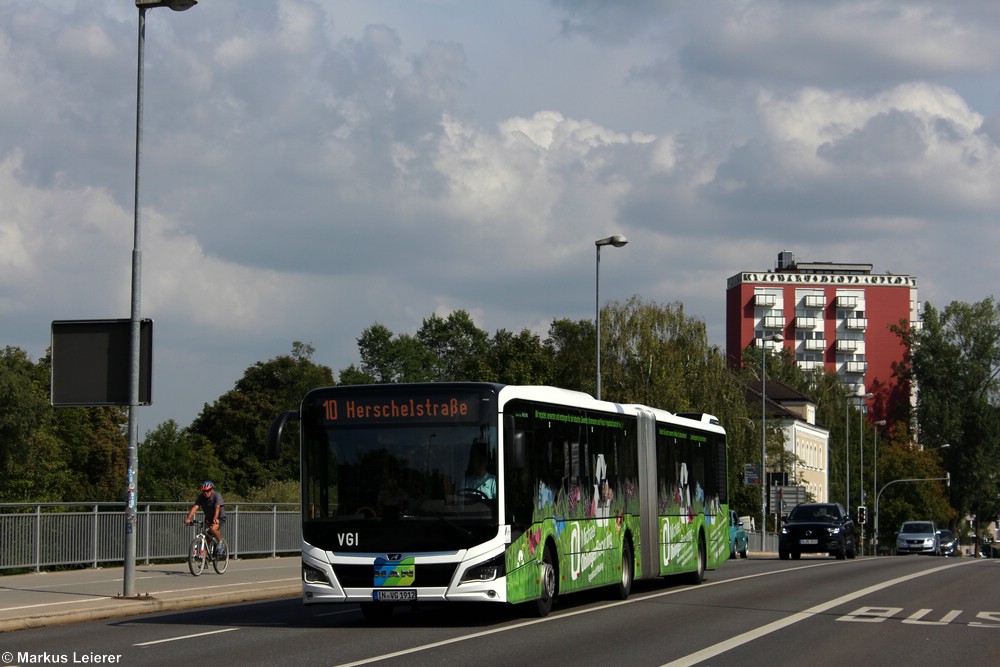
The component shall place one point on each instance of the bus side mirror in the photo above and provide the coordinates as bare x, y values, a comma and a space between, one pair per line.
272, 443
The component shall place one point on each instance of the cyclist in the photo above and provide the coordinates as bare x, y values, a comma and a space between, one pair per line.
210, 502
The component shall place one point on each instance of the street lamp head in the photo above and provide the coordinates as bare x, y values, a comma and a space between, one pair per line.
617, 241
774, 338
176, 5
880, 422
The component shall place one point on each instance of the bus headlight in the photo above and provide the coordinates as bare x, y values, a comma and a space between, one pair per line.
489, 571
313, 575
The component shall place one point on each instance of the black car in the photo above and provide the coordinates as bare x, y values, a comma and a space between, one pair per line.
817, 528
947, 543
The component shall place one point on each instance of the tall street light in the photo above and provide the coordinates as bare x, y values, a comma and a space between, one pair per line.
773, 338
880, 423
131, 498
617, 241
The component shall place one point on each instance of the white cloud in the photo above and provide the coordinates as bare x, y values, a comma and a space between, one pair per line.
310, 171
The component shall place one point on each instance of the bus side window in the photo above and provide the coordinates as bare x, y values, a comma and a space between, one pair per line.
519, 457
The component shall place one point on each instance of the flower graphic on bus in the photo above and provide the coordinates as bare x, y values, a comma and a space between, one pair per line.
534, 539
574, 499
545, 496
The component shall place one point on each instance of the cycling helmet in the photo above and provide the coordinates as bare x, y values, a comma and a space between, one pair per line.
207, 486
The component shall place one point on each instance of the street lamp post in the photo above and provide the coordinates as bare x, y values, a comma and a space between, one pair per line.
773, 338
617, 241
877, 425
131, 497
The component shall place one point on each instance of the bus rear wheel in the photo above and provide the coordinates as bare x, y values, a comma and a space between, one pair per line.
624, 587
548, 583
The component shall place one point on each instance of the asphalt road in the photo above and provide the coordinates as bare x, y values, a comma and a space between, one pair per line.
761, 611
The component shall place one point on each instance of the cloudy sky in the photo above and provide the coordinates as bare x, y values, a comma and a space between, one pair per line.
311, 167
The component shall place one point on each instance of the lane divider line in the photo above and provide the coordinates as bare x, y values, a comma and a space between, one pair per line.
177, 639
747, 637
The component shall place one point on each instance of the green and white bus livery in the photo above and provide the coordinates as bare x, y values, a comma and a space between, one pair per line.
446, 492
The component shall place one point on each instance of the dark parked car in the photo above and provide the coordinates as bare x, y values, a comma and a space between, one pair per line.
737, 536
817, 528
947, 543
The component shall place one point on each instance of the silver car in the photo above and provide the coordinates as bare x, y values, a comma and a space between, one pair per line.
917, 537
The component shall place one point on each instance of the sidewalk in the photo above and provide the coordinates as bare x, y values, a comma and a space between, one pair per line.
51, 598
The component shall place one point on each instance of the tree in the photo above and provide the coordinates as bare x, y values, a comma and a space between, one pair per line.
520, 359
172, 464
389, 358
235, 425
901, 459
449, 349
457, 347
95, 450
571, 348
955, 363
24, 415
51, 454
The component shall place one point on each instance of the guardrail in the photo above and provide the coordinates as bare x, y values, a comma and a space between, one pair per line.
767, 543
41, 535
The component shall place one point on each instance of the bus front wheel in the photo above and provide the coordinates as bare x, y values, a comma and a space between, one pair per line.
548, 582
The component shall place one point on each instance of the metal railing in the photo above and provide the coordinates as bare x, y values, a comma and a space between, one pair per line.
758, 543
42, 535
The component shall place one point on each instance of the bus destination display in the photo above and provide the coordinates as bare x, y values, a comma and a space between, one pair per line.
397, 409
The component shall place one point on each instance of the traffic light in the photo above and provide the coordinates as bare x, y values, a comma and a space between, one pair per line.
862, 514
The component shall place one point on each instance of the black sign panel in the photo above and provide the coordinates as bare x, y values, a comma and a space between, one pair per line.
90, 362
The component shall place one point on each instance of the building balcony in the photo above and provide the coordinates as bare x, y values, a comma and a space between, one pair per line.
774, 322
814, 301
848, 345
765, 300
815, 344
847, 302
856, 367
856, 323
806, 322
809, 365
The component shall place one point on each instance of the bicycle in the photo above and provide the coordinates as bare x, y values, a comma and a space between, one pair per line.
204, 548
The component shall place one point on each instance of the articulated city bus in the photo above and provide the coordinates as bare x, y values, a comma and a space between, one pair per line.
446, 492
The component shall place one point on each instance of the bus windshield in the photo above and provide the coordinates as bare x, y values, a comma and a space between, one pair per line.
413, 471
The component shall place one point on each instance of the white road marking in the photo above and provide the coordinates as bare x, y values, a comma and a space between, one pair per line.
746, 637
559, 617
177, 639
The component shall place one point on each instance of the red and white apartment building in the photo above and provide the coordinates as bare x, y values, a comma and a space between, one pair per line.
834, 316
